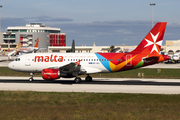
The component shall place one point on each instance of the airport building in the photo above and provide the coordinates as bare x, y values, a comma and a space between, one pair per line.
27, 36
90, 49
172, 46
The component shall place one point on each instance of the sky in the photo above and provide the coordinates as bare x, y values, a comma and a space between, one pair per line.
104, 22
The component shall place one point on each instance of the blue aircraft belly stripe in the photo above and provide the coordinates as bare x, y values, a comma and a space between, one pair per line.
104, 63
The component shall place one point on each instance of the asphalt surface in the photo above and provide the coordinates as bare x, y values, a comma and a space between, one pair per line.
98, 85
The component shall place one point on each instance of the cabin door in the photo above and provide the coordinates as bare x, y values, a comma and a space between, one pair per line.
28, 60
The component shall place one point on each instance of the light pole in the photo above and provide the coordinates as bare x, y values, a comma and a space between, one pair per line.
152, 4
0, 23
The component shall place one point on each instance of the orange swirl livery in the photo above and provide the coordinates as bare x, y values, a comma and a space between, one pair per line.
67, 65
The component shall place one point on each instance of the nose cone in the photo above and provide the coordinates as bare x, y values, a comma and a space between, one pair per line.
11, 65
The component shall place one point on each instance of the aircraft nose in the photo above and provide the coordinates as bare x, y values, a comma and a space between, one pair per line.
11, 65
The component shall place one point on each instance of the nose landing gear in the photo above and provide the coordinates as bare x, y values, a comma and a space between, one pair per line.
31, 77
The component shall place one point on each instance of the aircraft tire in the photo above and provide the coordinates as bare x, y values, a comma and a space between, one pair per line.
88, 79
31, 79
77, 80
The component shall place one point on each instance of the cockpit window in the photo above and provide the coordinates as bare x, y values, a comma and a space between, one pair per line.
17, 59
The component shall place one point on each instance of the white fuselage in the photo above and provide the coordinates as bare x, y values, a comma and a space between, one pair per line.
28, 49
176, 56
36, 62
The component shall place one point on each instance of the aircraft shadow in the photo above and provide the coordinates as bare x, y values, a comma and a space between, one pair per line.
96, 82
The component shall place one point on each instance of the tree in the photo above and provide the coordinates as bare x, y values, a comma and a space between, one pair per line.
111, 49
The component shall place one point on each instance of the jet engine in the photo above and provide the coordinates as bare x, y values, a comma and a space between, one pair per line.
50, 74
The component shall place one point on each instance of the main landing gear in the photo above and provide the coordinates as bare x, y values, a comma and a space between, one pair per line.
77, 80
87, 79
31, 77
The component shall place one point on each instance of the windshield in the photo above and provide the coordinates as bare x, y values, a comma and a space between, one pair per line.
17, 59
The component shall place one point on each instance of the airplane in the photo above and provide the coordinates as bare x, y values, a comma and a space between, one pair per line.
28, 49
176, 57
23, 50
68, 65
72, 50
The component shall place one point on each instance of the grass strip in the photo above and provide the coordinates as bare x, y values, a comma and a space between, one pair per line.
15, 105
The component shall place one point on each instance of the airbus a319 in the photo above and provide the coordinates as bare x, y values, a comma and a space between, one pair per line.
68, 65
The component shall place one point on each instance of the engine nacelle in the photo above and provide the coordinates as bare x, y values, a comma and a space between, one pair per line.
50, 74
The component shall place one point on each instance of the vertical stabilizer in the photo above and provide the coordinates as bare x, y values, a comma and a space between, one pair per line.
152, 43
37, 43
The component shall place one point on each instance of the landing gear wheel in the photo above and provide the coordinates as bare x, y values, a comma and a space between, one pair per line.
88, 78
31, 77
77, 80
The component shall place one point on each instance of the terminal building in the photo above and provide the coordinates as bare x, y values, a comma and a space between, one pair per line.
172, 46
27, 36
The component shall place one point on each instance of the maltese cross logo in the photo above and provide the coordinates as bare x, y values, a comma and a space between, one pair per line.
154, 43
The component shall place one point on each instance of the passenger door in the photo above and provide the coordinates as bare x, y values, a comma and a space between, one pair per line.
28, 60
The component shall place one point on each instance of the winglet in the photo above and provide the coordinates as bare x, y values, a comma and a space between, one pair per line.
78, 62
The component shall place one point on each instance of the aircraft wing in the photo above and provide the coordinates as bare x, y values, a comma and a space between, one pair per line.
72, 68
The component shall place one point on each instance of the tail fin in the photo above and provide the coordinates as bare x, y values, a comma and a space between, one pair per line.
152, 43
37, 43
18, 46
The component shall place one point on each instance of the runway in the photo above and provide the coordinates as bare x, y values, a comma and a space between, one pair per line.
98, 85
